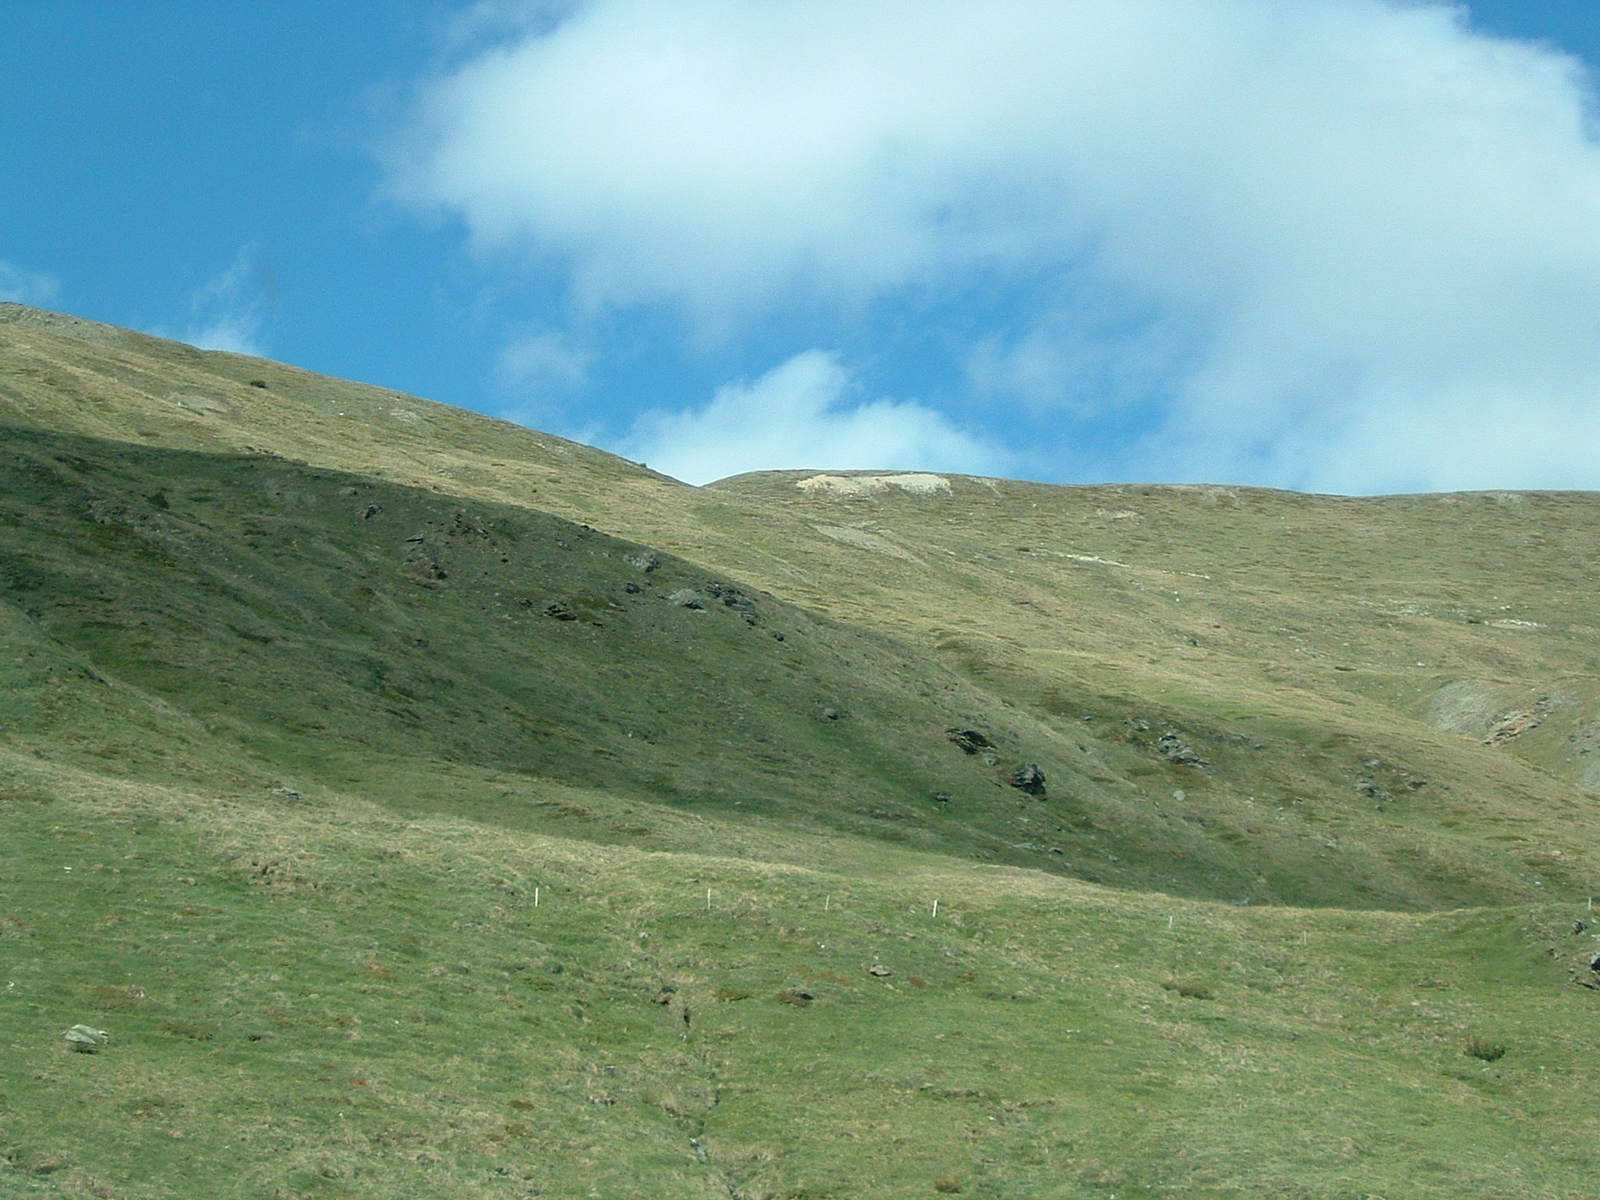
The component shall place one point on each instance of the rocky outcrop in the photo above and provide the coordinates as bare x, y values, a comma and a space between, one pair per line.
1030, 779
970, 740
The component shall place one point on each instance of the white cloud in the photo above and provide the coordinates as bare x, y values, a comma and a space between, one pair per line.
1307, 230
27, 287
487, 20
538, 373
225, 313
543, 361
804, 413
238, 334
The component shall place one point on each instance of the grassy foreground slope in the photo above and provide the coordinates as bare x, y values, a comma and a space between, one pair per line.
412, 837
320, 999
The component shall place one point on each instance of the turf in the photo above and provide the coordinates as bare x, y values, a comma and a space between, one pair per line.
426, 806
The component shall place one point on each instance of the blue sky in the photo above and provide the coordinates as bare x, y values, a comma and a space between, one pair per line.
1341, 245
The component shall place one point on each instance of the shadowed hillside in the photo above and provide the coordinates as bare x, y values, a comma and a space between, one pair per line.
428, 805
1235, 693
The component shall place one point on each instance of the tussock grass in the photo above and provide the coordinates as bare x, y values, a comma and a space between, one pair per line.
406, 1020
405, 849
1484, 1049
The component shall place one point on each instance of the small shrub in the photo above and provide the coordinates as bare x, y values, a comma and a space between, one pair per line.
730, 994
952, 1184
1189, 989
1482, 1048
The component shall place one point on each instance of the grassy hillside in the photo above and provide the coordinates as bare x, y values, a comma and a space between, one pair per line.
318, 998
430, 806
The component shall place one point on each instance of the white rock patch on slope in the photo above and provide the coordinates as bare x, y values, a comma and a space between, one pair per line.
917, 484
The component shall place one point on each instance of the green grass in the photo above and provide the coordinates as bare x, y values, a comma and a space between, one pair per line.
326, 1000
269, 620
359, 776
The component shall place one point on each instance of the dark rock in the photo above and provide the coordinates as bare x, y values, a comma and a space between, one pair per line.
941, 797
831, 714
419, 559
970, 740
258, 383
1578, 927
1173, 748
371, 511
732, 597
633, 589
1513, 725
1029, 778
644, 560
462, 525
560, 610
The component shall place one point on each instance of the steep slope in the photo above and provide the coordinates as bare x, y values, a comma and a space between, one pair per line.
1401, 604
1336, 638
316, 625
1242, 694
427, 806
70, 375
